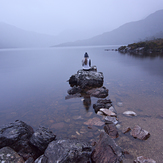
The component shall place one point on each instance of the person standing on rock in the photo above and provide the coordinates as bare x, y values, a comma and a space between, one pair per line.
86, 62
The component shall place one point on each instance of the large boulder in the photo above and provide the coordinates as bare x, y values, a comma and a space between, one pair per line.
87, 79
106, 150
41, 138
67, 150
16, 135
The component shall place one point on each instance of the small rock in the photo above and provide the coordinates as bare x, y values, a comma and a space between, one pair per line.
129, 113
142, 159
138, 132
120, 104
108, 112
126, 130
109, 119
100, 113
77, 117
94, 121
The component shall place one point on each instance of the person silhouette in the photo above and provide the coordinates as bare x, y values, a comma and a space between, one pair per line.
86, 62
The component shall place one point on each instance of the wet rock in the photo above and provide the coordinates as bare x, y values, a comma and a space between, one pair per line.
126, 130
107, 112
120, 104
129, 113
138, 132
142, 159
58, 126
9, 155
94, 121
109, 120
87, 79
41, 138
41, 159
13, 132
106, 150
16, 135
30, 160
101, 92
111, 130
70, 150
102, 103
74, 90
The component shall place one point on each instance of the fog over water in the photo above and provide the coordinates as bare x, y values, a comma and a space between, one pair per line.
83, 18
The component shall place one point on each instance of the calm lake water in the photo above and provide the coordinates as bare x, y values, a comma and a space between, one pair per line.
33, 86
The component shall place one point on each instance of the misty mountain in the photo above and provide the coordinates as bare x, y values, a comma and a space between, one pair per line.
13, 37
148, 28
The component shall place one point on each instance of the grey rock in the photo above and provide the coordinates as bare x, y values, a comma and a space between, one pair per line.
16, 135
30, 160
41, 159
8, 155
87, 79
68, 151
41, 138
109, 119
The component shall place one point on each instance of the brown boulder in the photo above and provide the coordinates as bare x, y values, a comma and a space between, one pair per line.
106, 150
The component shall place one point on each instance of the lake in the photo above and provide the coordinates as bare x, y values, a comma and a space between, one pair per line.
34, 85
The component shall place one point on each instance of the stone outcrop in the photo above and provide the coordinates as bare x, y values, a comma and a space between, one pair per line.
67, 150
106, 150
87, 79
16, 135
41, 138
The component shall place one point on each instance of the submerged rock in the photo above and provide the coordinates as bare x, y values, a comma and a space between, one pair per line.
138, 132
142, 159
94, 121
129, 113
87, 79
9, 155
106, 150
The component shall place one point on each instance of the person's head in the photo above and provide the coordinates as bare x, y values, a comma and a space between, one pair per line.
86, 55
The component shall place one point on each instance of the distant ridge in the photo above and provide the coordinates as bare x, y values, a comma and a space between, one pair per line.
151, 26
13, 37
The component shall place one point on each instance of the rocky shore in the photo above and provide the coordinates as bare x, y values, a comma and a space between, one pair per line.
19, 143
149, 47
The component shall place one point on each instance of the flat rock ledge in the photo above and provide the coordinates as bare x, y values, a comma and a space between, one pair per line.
87, 79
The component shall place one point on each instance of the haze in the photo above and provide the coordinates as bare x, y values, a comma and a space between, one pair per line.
87, 16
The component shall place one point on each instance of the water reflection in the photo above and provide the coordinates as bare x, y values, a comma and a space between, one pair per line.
87, 102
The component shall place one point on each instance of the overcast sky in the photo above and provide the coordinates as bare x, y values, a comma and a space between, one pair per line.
55, 16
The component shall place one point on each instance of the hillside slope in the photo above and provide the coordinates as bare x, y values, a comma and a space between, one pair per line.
127, 33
